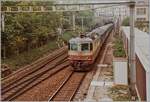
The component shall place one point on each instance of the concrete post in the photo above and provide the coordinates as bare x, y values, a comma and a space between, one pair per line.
53, 8
42, 8
66, 8
148, 73
19, 9
73, 21
2, 21
82, 23
8, 9
70, 20
132, 48
30, 8
148, 86
119, 22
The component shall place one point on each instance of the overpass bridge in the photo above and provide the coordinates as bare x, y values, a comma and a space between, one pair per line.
63, 7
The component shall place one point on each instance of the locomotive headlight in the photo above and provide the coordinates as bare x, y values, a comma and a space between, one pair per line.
87, 57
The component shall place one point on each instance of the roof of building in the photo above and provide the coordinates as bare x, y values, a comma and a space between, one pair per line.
141, 46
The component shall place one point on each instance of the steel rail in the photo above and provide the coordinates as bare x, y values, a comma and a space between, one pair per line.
63, 84
58, 89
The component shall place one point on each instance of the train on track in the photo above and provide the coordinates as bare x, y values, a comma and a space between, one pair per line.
83, 50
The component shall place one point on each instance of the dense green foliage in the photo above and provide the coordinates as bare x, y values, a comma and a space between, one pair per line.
126, 22
26, 31
118, 48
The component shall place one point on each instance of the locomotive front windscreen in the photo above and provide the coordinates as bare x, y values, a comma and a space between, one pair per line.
73, 46
85, 47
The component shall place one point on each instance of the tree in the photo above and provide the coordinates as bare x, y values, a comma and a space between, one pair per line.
24, 31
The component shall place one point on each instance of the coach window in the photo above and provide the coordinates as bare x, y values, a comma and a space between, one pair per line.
85, 47
74, 46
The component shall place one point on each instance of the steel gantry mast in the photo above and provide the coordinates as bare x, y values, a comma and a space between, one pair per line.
148, 75
132, 48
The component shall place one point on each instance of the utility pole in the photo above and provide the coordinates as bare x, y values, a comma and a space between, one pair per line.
69, 20
73, 21
82, 23
119, 21
3, 28
132, 49
148, 74
2, 22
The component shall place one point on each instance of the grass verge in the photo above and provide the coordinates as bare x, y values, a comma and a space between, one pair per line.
119, 48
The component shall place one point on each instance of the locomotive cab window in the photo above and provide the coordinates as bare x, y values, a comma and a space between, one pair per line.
91, 46
85, 47
69, 46
73, 46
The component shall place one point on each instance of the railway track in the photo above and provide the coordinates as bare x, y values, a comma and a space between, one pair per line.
33, 66
15, 88
68, 88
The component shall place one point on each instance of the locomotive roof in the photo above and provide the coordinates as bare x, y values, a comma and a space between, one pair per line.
78, 39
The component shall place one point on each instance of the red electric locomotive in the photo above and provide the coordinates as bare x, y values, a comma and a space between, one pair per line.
83, 50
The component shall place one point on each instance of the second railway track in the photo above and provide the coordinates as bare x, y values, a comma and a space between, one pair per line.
67, 89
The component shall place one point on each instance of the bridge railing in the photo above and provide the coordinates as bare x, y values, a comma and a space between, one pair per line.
44, 8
